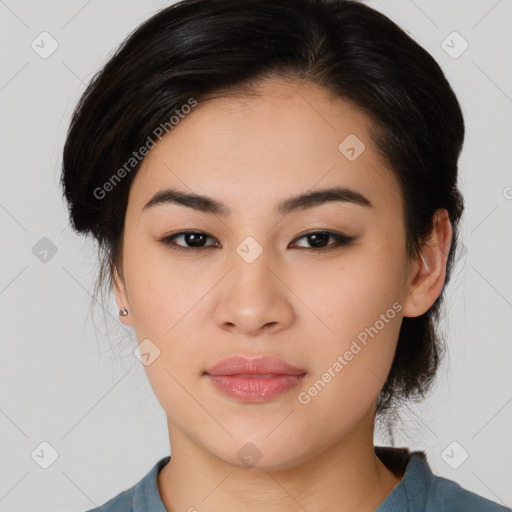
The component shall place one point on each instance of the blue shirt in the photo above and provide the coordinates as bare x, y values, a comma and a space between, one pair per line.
418, 491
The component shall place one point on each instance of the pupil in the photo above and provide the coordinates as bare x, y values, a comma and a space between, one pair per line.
193, 238
318, 239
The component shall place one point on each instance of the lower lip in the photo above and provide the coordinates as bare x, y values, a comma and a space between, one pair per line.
255, 389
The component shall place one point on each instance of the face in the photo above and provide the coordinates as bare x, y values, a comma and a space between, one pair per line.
320, 284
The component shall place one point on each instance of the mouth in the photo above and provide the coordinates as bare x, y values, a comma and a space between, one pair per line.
254, 380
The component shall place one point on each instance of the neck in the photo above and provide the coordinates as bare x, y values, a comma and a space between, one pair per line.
346, 476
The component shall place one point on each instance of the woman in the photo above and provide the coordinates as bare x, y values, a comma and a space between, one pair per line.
274, 187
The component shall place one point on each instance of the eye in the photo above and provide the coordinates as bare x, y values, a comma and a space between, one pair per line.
319, 239
195, 240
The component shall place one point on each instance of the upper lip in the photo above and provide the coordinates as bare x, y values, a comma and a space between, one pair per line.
236, 365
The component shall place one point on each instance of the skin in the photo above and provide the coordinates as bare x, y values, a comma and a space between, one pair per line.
299, 303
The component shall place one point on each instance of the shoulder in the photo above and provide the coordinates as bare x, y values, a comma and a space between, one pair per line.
122, 502
449, 496
422, 491
140, 497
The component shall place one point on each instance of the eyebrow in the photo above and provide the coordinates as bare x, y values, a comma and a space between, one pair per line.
298, 202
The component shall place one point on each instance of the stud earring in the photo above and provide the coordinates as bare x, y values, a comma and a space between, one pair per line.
123, 312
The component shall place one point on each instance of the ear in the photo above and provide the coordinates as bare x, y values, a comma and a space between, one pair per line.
121, 296
427, 272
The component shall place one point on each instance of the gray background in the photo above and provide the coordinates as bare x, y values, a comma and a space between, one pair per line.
69, 378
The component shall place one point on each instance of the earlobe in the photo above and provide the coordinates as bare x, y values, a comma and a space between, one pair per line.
121, 298
428, 272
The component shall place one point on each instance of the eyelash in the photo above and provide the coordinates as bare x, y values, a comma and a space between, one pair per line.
341, 241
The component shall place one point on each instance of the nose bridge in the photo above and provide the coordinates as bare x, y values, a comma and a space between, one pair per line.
251, 261
254, 297
249, 250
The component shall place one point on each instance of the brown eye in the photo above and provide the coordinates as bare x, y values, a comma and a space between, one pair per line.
194, 240
320, 239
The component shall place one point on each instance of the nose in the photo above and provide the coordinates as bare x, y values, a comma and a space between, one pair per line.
254, 298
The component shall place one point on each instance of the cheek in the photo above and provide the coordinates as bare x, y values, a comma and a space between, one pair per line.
160, 291
169, 303
350, 293
358, 300
356, 346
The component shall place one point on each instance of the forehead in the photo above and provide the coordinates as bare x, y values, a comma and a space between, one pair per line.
253, 147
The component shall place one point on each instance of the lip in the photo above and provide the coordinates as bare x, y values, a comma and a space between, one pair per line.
254, 380
237, 365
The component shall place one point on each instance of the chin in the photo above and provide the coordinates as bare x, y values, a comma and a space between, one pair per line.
260, 454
